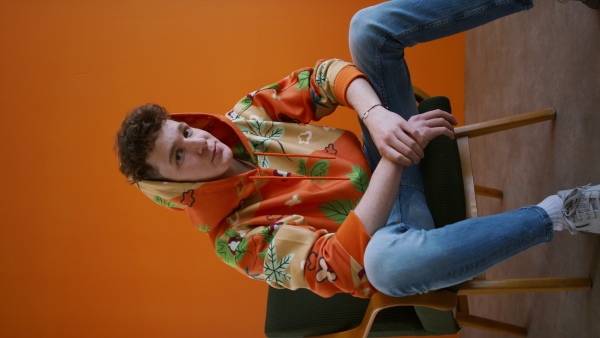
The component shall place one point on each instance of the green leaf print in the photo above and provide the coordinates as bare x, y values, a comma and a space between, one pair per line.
223, 251
265, 163
302, 170
320, 168
303, 80
260, 143
262, 254
244, 130
204, 228
231, 234
241, 250
274, 269
269, 233
159, 200
337, 210
321, 79
276, 132
253, 150
173, 205
274, 86
359, 178
247, 102
240, 151
224, 248
257, 126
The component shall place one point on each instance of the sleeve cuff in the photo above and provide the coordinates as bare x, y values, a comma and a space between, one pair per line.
353, 237
343, 80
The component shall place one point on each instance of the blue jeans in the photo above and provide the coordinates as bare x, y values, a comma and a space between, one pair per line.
409, 256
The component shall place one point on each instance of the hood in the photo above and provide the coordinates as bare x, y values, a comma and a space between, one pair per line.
220, 127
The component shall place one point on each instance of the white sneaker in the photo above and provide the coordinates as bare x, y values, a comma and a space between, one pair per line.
581, 209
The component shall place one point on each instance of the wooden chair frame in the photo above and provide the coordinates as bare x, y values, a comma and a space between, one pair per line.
447, 300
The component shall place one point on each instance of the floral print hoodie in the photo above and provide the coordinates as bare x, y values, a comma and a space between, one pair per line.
289, 221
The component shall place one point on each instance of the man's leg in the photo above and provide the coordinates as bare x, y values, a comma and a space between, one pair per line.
401, 260
404, 255
379, 34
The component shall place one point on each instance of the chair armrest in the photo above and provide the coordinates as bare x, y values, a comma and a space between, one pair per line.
488, 127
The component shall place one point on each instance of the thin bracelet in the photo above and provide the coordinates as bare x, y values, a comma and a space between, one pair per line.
366, 114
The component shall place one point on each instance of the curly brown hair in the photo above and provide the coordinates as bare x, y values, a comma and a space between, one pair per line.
135, 140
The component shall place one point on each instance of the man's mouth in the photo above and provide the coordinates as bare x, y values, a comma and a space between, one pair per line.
215, 151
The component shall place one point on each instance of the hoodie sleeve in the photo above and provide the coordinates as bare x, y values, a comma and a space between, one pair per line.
306, 95
291, 254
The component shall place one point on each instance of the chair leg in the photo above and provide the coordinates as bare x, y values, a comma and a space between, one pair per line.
464, 319
489, 192
487, 287
467, 172
463, 305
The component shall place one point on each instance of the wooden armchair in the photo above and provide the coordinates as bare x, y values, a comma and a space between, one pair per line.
447, 174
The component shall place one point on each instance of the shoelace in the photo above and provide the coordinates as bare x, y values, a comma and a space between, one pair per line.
580, 205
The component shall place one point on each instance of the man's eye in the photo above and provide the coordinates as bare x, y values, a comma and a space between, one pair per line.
178, 157
186, 133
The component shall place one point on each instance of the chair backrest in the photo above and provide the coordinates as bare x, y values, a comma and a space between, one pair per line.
301, 313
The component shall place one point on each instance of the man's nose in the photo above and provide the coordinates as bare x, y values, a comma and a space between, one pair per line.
196, 144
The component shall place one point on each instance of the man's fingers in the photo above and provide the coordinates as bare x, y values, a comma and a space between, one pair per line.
439, 114
442, 131
411, 131
393, 155
441, 123
411, 147
402, 145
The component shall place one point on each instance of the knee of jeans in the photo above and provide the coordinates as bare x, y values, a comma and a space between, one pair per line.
393, 280
387, 274
399, 268
361, 29
379, 273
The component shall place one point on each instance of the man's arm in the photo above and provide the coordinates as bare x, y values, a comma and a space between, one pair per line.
374, 208
396, 139
400, 143
308, 94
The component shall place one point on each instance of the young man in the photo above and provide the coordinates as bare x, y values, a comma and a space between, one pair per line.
295, 204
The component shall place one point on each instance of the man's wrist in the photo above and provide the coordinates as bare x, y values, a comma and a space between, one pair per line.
365, 115
373, 115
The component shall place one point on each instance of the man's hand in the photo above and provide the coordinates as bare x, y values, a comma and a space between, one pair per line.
398, 140
403, 141
433, 124
395, 138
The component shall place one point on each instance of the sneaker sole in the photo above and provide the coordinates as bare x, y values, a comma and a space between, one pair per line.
591, 231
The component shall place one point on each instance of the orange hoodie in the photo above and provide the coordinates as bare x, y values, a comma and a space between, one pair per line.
289, 221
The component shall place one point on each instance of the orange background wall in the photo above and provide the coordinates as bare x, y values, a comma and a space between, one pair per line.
82, 254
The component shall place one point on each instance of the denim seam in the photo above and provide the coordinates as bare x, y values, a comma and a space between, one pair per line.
447, 22
410, 185
547, 219
378, 65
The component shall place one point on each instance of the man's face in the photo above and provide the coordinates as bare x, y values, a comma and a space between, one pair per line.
185, 154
